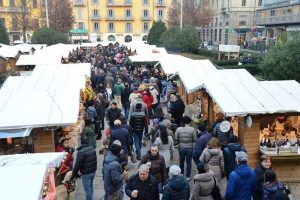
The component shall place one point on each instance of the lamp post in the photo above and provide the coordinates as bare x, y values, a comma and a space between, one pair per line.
181, 13
47, 17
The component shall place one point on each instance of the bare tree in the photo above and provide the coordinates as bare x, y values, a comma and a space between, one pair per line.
195, 12
60, 14
22, 17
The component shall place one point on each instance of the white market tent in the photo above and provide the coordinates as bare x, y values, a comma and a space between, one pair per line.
23, 175
49, 97
149, 55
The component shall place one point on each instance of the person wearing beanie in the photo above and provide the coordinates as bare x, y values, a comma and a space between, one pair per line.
204, 183
86, 166
229, 154
177, 186
186, 136
113, 175
242, 179
201, 142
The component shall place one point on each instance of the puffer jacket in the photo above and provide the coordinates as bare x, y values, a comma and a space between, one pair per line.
214, 158
204, 184
137, 122
147, 190
112, 173
271, 189
177, 188
86, 160
186, 136
158, 166
229, 157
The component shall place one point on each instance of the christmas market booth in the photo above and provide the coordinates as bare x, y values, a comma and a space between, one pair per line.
29, 176
33, 107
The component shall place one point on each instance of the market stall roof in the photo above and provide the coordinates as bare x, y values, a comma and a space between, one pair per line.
170, 63
16, 170
14, 133
49, 97
9, 51
149, 55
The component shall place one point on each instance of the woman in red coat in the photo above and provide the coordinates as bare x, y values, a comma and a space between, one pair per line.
66, 165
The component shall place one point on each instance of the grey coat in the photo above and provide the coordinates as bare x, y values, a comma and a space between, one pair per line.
214, 158
186, 136
166, 150
203, 186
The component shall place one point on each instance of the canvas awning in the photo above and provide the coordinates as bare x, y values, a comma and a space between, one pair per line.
15, 133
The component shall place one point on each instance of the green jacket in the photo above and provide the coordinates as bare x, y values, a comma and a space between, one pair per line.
118, 88
89, 132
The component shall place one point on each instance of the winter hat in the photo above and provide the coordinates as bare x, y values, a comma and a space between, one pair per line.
84, 140
115, 149
117, 142
186, 120
202, 127
202, 167
241, 156
155, 121
175, 170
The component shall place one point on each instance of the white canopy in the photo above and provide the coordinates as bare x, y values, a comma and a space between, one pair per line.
23, 175
149, 55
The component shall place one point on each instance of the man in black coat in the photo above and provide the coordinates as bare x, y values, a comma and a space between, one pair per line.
229, 154
121, 134
86, 166
113, 113
142, 186
125, 99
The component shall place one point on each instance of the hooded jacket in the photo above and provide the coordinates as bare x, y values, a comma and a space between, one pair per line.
112, 173
177, 188
241, 183
229, 157
258, 190
158, 166
118, 88
200, 145
214, 158
270, 190
123, 136
204, 184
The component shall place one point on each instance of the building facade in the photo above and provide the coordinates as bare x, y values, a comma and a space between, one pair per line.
117, 20
278, 16
10, 16
232, 22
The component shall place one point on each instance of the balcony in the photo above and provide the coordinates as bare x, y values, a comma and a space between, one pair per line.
283, 19
95, 17
8, 9
122, 3
160, 3
145, 18
110, 18
129, 18
79, 2
279, 3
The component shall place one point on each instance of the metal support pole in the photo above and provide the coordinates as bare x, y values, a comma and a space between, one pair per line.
181, 13
47, 17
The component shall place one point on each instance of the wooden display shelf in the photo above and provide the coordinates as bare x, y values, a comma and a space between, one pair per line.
283, 156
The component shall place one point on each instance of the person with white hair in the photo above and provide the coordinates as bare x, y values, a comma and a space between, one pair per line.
177, 187
142, 186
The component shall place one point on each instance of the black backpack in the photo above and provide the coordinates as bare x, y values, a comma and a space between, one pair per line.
282, 193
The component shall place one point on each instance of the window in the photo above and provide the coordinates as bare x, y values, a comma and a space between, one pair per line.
34, 4
128, 13
95, 2
272, 13
243, 20
79, 13
96, 27
12, 3
110, 13
203, 35
111, 38
242, 23
216, 35
207, 34
145, 13
259, 3
243, 2
1, 3
146, 27
110, 1
211, 34
128, 38
220, 35
145, 2
36, 24
2, 20
111, 27
160, 15
128, 27
95, 13
14, 23
80, 25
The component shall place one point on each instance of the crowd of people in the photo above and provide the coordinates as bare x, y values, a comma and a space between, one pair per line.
125, 102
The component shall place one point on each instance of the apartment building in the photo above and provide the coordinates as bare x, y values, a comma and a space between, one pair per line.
277, 16
8, 10
232, 22
117, 20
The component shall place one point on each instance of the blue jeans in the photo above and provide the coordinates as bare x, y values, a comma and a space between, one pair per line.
87, 182
126, 111
186, 154
138, 143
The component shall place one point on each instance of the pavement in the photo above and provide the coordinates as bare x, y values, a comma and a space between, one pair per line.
79, 194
